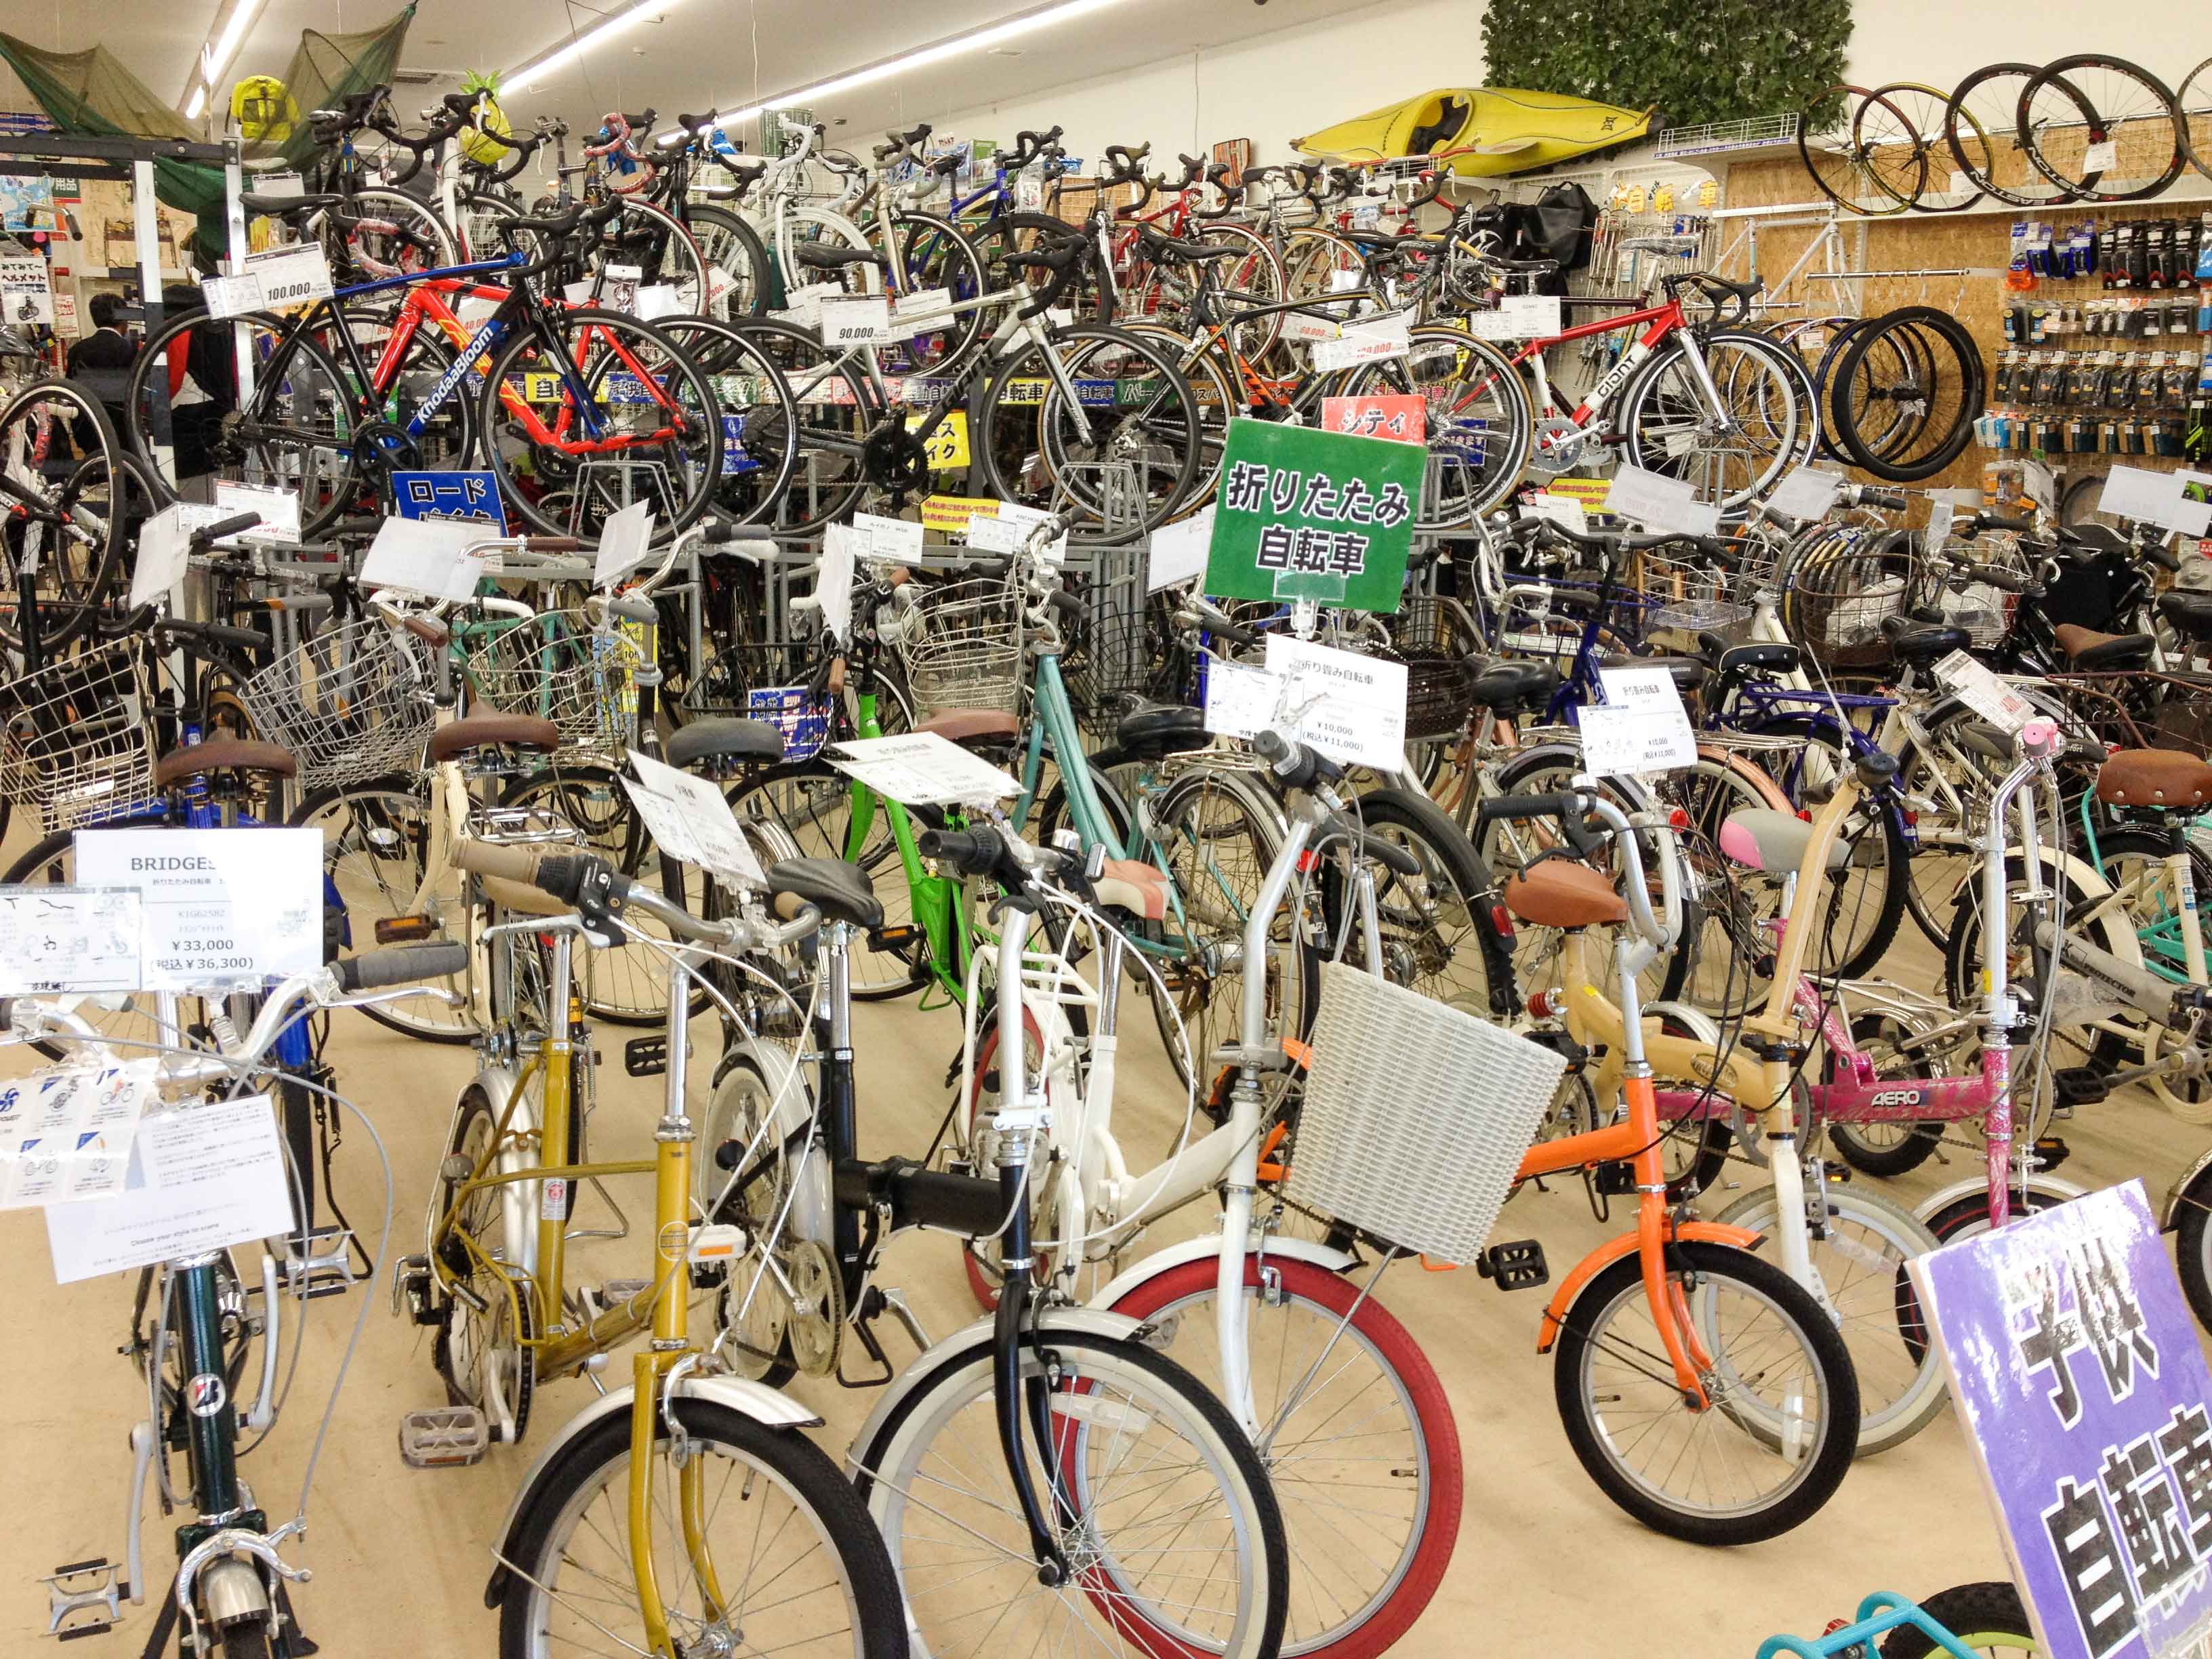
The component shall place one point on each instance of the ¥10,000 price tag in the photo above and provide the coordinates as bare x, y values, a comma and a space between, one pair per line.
922, 768
1983, 692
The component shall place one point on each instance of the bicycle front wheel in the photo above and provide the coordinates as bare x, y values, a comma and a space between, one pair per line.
1731, 451
1163, 1509
1480, 421
772, 1553
1774, 1442
1986, 1617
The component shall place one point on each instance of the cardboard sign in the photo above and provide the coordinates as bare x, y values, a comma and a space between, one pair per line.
1307, 515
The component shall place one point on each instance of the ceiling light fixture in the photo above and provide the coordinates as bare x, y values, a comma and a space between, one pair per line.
538, 69
198, 101
936, 52
217, 51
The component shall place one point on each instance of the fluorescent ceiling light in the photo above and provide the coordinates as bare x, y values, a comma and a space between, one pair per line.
198, 101
242, 13
536, 71
937, 52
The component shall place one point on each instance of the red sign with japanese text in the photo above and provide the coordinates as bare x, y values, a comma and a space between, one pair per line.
1403, 419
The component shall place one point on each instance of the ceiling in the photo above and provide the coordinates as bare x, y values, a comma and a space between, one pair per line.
691, 54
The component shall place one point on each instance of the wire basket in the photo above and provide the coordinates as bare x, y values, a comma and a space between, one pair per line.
1689, 596
79, 746
1415, 1115
558, 667
351, 703
1124, 655
1845, 587
1433, 637
963, 648
764, 680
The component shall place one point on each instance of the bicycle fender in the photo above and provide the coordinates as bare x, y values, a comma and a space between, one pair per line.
1702, 1232
1209, 1249
2169, 1215
1095, 1321
811, 1208
757, 1400
518, 1199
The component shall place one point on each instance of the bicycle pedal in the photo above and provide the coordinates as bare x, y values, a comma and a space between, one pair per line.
894, 941
2080, 1085
405, 930
326, 1268
443, 1437
84, 1598
1517, 1265
2049, 1153
646, 1056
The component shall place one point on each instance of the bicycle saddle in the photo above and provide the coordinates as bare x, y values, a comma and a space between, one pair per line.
2085, 648
1688, 674
1732, 659
1158, 246
1558, 894
1508, 688
1160, 729
2191, 613
723, 740
283, 206
972, 726
1922, 642
2154, 777
838, 889
1767, 838
493, 732
224, 755
822, 255
1132, 886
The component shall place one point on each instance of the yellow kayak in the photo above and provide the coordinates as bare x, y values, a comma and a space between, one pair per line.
1504, 130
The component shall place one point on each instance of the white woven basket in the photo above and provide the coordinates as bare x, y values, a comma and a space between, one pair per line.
1416, 1115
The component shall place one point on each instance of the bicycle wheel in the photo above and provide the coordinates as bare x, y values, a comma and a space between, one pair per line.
1944, 190
835, 409
1943, 388
1860, 1257
485, 1347
1888, 1150
598, 411
1986, 1617
478, 214
1359, 1438
1981, 128
2133, 145
760, 417
1730, 454
1870, 160
376, 837
1320, 266
1062, 452
1437, 927
448, 438
647, 238
926, 252
386, 233
1180, 1544
1480, 421
2193, 98
59, 454
1775, 1441
1727, 931
1209, 373
2134, 862
737, 263
781, 1548
2105, 1044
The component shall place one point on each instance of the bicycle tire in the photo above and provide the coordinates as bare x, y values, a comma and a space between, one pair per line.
1483, 986
1962, 951
723, 238
2190, 1099
1971, 381
1915, 1143
1729, 479
1835, 172
928, 252
1985, 1617
98, 524
1219, 403
758, 463
2192, 1244
1506, 430
1909, 363
247, 1640
2116, 106
789, 1462
961, 1375
836, 407
1820, 1472
475, 1108
1929, 109
1996, 159
2195, 90
647, 235
1179, 1304
415, 217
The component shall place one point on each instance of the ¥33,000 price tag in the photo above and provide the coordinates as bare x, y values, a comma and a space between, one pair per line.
222, 907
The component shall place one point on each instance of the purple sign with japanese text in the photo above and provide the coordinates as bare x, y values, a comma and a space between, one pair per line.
2076, 1367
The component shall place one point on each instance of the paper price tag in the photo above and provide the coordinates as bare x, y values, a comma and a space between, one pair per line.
925, 308
202, 1178
222, 907
1299, 326
833, 580
1959, 185
1178, 551
66, 1130
1240, 700
893, 541
1640, 728
688, 818
69, 939
2135, 492
1375, 340
427, 557
658, 300
1562, 510
805, 310
1022, 521
861, 320
279, 184
1806, 493
165, 549
1659, 502
1983, 692
921, 768
1351, 707
1533, 316
290, 276
230, 296
625, 539
2098, 158
279, 510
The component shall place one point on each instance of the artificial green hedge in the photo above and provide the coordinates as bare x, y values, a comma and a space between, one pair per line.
1698, 60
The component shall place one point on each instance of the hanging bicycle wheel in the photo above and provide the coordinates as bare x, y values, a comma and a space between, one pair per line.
1946, 189
1480, 423
929, 253
2130, 146
60, 456
1981, 130
760, 417
834, 408
737, 262
1732, 453
651, 240
1937, 380
378, 234
1869, 159
2193, 98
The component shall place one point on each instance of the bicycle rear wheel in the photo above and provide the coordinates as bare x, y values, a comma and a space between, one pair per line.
60, 453
1731, 455
760, 417
1981, 128
1986, 1617
2193, 98
737, 263
1869, 160
2134, 143
1937, 379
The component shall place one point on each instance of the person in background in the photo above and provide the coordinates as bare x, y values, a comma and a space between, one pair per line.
102, 361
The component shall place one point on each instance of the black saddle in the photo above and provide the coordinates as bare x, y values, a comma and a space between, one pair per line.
1160, 729
1921, 642
1509, 689
839, 890
701, 741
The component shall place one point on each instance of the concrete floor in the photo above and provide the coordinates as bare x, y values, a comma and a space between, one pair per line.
1545, 1563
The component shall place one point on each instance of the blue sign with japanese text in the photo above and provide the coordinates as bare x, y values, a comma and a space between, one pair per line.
2074, 1366
467, 497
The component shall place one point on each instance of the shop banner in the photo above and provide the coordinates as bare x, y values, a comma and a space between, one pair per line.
2075, 1368
1314, 515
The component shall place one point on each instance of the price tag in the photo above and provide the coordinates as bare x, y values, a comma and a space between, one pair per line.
1024, 520
658, 300
689, 820
1240, 700
1178, 551
1519, 316
1562, 510
1640, 728
428, 557
1029, 188
922, 768
279, 510
202, 1178
618, 286
293, 275
279, 184
165, 547
222, 907
1302, 326
66, 1130
719, 285
924, 309
1377, 340
1659, 502
2098, 158
1351, 707
69, 939
624, 540
805, 310
1959, 185
230, 296
893, 541
1806, 493
26, 292
1983, 692
864, 320
833, 580
2135, 492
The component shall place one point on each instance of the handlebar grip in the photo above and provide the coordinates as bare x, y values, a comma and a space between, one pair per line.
1065, 603
633, 610
405, 965
556, 544
972, 852
485, 858
1895, 499
1567, 804
2000, 521
236, 524
2010, 581
720, 534
2161, 554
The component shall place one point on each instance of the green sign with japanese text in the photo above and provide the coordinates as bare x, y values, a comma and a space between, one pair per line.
1307, 514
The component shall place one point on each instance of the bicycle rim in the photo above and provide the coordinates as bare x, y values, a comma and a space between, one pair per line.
2132, 143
